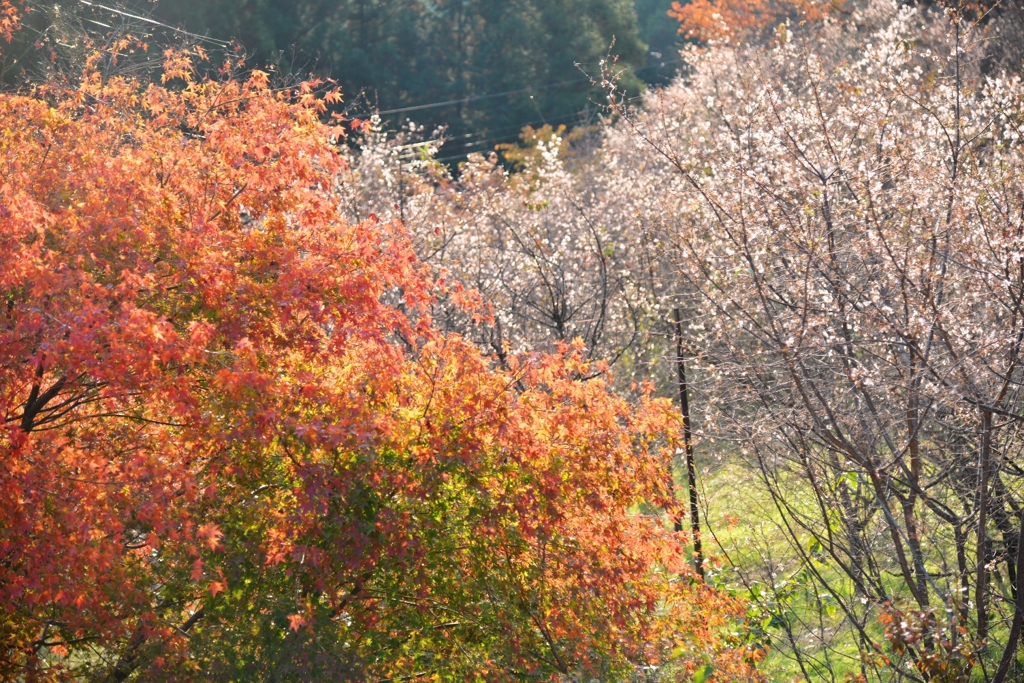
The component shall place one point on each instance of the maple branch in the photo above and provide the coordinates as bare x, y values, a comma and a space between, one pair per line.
37, 401
192, 620
233, 197
129, 661
408, 677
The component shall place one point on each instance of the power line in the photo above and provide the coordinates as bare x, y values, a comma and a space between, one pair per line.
482, 144
434, 105
503, 133
516, 128
562, 118
556, 119
138, 17
479, 97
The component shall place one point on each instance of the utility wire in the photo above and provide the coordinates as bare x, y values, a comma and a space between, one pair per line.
480, 145
503, 133
563, 118
513, 131
434, 105
516, 128
138, 17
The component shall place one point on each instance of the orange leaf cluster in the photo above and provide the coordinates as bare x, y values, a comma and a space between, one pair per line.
738, 19
10, 19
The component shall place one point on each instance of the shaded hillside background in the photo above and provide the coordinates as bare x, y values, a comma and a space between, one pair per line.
499, 65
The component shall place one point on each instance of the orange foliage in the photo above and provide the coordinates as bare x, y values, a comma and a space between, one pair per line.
10, 19
235, 444
718, 19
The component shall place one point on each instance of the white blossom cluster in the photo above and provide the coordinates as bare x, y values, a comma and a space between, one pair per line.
558, 250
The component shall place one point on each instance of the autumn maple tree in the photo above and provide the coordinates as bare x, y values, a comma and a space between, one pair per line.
235, 446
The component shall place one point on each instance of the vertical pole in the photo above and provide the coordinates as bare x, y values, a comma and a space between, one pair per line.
691, 470
980, 590
401, 190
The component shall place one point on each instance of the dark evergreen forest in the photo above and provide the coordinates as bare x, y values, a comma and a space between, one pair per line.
496, 66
